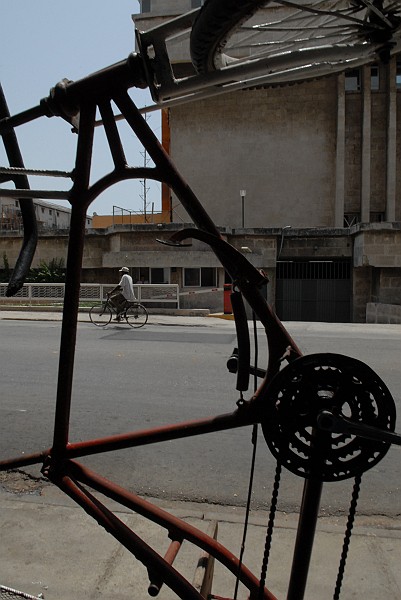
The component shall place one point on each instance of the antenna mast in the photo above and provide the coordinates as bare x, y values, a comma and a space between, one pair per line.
143, 182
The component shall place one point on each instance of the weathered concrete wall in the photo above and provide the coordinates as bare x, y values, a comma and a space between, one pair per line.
361, 293
378, 153
281, 146
383, 313
352, 162
278, 145
373, 250
49, 246
316, 244
379, 246
389, 287
213, 299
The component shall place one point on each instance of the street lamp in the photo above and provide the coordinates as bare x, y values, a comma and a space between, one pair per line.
242, 193
283, 229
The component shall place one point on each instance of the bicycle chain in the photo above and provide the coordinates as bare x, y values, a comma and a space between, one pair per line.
347, 536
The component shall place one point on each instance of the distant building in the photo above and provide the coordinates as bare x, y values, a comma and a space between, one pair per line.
123, 216
49, 217
325, 153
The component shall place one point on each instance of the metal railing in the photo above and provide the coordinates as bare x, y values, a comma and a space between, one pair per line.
148, 294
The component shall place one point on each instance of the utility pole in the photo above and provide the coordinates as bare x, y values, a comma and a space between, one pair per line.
143, 182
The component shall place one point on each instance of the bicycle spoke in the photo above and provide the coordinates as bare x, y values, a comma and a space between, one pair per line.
100, 315
346, 34
136, 315
318, 23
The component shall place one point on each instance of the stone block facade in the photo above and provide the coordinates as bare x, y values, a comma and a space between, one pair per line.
266, 142
378, 247
383, 313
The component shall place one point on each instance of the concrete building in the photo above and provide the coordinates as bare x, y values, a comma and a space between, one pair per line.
317, 161
48, 216
304, 179
355, 276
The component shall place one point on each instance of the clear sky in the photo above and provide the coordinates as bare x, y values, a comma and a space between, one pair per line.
44, 41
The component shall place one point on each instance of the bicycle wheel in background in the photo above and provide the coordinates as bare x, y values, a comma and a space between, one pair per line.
296, 40
100, 315
136, 315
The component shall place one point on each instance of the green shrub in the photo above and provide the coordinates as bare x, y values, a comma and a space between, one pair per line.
48, 272
5, 272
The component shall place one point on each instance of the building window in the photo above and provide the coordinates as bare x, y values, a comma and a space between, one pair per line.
140, 274
374, 78
377, 217
353, 80
200, 277
17, 203
154, 275
208, 277
159, 275
351, 219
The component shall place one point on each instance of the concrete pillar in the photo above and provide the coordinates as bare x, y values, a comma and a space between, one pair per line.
366, 145
340, 153
391, 139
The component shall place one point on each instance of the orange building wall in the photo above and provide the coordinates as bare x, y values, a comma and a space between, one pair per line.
104, 221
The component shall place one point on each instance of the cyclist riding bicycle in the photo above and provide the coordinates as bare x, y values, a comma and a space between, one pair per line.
123, 293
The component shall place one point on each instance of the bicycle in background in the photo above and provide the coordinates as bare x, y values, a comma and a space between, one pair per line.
134, 313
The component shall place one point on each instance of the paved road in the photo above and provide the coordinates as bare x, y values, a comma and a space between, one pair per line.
127, 379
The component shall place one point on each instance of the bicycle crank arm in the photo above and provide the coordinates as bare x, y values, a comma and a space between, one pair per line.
327, 421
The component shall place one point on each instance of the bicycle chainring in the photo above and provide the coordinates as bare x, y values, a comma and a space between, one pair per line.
343, 385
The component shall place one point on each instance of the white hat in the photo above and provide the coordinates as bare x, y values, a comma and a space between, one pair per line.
124, 270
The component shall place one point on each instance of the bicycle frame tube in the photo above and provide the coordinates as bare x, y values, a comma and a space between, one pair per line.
176, 527
58, 464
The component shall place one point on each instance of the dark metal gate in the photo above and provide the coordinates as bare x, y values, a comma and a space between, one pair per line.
314, 291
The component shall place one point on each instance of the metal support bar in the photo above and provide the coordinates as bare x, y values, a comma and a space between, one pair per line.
156, 582
305, 535
142, 551
79, 202
177, 528
239, 418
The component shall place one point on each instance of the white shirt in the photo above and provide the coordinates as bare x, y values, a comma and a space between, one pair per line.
127, 287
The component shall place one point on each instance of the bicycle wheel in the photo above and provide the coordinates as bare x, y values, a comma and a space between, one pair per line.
100, 315
136, 315
294, 40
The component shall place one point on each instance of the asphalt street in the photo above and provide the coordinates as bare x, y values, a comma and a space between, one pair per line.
169, 372
50, 548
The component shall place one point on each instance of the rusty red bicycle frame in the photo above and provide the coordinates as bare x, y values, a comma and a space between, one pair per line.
59, 461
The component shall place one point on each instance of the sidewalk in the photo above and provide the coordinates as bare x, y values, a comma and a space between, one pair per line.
50, 546
154, 319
